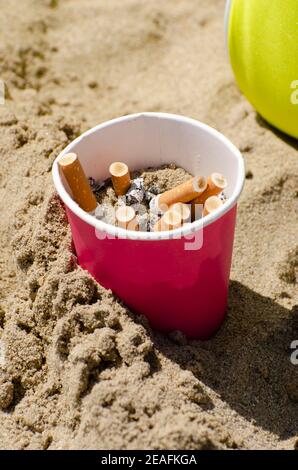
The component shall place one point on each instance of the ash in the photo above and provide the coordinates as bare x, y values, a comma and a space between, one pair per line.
105, 213
147, 222
96, 186
136, 192
151, 193
222, 196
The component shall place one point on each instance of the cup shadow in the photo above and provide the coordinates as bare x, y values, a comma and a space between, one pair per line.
248, 362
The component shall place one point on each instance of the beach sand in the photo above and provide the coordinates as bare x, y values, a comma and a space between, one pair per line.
77, 369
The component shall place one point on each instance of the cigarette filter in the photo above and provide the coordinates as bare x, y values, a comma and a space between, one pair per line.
183, 210
126, 218
212, 204
185, 192
216, 183
169, 221
120, 178
78, 182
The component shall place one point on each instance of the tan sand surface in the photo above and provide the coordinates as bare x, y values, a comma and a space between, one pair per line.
77, 370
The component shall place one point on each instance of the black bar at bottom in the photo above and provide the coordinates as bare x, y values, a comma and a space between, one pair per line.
135, 459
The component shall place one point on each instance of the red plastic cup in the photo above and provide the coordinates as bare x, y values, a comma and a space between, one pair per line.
179, 279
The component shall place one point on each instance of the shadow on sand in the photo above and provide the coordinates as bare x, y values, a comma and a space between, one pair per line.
281, 135
248, 362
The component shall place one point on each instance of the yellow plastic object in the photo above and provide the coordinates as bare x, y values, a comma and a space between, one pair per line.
262, 38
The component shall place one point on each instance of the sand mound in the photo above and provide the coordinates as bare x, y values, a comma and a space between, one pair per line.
77, 363
77, 369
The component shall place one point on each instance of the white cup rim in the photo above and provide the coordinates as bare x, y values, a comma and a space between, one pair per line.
116, 232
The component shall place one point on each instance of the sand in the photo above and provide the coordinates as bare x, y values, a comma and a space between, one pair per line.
77, 369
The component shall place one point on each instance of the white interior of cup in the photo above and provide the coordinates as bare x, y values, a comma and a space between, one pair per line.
153, 139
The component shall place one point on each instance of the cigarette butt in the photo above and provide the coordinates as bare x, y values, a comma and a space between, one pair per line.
212, 204
216, 183
169, 221
74, 174
196, 210
120, 178
183, 210
126, 218
185, 192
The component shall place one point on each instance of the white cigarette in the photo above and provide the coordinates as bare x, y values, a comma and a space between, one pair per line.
126, 218
183, 210
212, 204
169, 221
